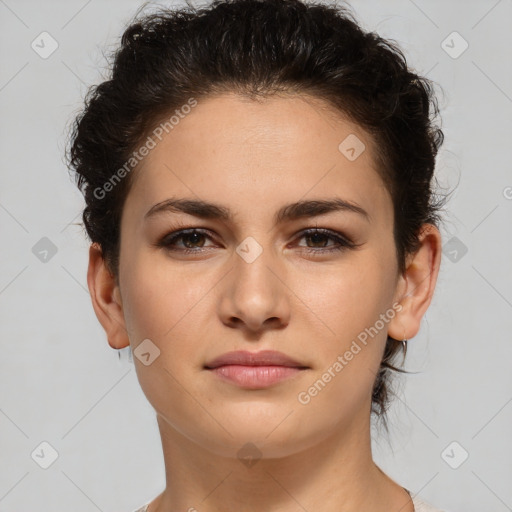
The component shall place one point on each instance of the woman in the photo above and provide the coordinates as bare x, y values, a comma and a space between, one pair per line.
258, 185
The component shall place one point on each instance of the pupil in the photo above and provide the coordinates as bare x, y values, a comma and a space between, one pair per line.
314, 237
193, 237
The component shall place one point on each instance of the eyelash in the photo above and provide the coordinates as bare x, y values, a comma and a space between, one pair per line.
343, 242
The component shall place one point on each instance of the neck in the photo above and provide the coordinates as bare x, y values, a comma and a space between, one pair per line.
336, 474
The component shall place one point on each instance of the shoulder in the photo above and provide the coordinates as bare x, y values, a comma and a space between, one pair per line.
421, 506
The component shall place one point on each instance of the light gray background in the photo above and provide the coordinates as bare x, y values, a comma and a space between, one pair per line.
62, 383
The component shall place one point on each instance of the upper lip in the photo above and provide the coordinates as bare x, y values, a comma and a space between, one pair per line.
262, 358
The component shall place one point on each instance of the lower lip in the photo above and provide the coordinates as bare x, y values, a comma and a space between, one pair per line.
255, 376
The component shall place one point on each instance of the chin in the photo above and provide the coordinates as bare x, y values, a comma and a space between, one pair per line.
270, 439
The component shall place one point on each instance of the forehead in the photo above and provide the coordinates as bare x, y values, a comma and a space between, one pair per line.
233, 149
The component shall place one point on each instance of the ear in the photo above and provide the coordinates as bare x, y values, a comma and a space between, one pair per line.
106, 299
416, 286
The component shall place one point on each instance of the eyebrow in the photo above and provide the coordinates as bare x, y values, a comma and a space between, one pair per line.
292, 211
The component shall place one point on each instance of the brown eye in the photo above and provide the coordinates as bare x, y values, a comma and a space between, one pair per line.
193, 240
320, 238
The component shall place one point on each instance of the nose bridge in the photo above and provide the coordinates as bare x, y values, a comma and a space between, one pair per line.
252, 264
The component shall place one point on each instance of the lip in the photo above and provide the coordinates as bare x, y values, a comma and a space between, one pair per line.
262, 358
255, 370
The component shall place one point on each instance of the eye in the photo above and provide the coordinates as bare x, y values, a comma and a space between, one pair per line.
320, 237
192, 239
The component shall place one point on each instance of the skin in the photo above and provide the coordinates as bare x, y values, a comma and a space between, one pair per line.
253, 158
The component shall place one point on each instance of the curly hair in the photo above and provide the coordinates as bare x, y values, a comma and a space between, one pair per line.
258, 48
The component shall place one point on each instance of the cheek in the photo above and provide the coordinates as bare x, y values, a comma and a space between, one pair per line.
165, 306
158, 298
342, 313
344, 298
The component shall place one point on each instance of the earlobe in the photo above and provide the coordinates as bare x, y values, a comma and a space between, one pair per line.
106, 299
419, 281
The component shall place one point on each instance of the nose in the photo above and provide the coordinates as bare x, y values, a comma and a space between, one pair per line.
254, 296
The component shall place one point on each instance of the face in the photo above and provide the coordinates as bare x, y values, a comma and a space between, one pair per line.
306, 283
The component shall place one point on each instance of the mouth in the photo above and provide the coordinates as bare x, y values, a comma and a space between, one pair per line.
255, 377
255, 370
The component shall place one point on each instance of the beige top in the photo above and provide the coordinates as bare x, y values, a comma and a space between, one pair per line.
419, 505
